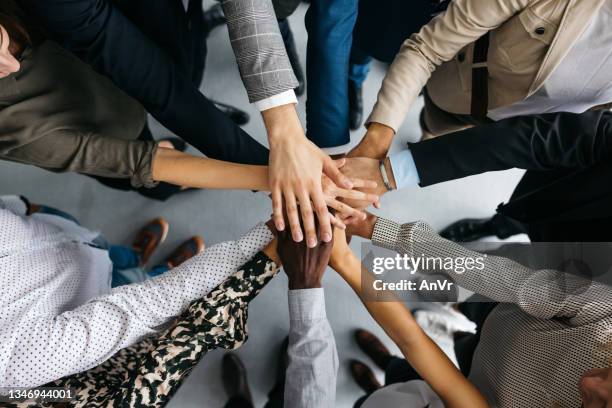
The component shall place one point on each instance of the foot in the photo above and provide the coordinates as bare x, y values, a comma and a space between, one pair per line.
237, 116
185, 251
355, 106
149, 238
364, 377
469, 229
234, 376
294, 59
214, 17
373, 347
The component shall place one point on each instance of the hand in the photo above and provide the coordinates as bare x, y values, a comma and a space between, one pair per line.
363, 168
344, 211
375, 144
296, 167
304, 266
362, 228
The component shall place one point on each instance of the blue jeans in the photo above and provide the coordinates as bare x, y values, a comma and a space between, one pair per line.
359, 67
127, 269
330, 26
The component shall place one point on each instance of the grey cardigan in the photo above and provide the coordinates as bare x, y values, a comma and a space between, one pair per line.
57, 113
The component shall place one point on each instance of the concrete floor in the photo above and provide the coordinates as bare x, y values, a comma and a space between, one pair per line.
220, 216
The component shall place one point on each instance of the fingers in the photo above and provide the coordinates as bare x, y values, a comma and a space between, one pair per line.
361, 183
293, 216
340, 163
307, 219
318, 200
331, 170
357, 195
346, 211
337, 222
277, 209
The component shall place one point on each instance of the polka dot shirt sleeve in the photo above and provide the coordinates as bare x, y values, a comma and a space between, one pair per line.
51, 348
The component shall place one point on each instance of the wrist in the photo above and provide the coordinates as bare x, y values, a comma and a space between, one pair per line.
378, 140
282, 123
297, 284
390, 175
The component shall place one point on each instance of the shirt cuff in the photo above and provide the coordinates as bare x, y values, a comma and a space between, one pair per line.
307, 304
404, 169
283, 98
386, 233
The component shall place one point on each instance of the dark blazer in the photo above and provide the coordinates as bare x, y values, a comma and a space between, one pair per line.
568, 158
155, 52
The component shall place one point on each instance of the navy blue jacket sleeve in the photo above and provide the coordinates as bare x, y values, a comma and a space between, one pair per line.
100, 33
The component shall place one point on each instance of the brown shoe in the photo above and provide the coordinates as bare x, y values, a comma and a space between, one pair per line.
149, 238
364, 377
373, 347
234, 377
185, 251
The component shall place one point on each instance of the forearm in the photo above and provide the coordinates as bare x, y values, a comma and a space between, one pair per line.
172, 166
422, 353
313, 358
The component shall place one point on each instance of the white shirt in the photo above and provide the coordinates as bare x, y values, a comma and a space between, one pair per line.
582, 80
48, 329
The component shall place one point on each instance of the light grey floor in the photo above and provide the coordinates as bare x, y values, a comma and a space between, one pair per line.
220, 216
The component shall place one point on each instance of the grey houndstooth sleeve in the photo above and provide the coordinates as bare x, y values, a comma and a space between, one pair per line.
259, 48
542, 293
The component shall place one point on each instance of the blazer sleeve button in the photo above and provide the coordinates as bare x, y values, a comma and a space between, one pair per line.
540, 30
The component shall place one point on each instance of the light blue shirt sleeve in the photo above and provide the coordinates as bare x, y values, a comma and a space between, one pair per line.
313, 358
404, 169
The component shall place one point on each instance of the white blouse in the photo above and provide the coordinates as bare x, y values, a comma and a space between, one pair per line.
48, 329
582, 80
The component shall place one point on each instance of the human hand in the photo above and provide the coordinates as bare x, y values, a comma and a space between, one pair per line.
376, 142
296, 167
364, 168
344, 211
363, 228
303, 265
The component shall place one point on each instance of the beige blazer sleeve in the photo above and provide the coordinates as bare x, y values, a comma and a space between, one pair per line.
437, 42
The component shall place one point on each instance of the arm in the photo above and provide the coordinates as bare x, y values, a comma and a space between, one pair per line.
543, 142
544, 293
82, 338
104, 37
313, 359
182, 169
438, 41
421, 352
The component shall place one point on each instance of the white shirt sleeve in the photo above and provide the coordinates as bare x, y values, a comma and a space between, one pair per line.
46, 348
404, 169
283, 98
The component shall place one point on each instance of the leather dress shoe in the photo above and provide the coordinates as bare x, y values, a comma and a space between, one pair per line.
355, 95
149, 238
239, 117
364, 377
373, 347
469, 229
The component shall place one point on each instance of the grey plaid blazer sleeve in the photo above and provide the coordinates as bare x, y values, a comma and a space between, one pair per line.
259, 48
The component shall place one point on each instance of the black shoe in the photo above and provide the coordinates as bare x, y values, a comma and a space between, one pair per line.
214, 17
373, 347
469, 229
234, 378
293, 56
364, 377
355, 95
237, 116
